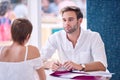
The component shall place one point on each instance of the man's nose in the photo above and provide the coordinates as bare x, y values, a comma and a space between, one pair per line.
67, 22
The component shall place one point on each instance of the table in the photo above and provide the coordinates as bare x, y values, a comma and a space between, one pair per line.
49, 77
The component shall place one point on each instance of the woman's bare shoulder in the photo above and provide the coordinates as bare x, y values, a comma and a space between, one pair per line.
3, 51
33, 52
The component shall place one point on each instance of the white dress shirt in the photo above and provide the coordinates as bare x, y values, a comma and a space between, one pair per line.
89, 48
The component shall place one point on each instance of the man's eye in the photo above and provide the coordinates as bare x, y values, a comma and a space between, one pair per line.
71, 19
64, 20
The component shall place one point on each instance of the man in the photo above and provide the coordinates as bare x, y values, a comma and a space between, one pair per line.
78, 49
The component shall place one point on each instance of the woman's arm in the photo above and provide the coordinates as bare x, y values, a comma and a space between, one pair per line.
41, 74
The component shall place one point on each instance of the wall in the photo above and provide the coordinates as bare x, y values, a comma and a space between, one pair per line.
103, 16
34, 16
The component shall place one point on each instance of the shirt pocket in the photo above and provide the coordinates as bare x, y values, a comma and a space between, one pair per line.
83, 57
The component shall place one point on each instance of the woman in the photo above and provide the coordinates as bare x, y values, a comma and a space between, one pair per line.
17, 61
5, 22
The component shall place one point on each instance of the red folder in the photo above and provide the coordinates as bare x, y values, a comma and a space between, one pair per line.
84, 75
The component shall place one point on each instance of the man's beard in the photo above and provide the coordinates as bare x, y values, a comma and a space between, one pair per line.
73, 29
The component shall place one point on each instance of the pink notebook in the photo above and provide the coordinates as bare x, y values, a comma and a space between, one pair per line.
76, 75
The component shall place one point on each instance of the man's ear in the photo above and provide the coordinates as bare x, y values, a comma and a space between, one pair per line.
80, 20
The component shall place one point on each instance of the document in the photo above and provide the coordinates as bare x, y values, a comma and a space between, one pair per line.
81, 74
72, 75
100, 73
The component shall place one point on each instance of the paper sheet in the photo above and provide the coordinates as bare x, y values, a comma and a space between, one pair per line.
71, 75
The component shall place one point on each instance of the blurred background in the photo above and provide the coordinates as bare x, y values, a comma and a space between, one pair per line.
44, 15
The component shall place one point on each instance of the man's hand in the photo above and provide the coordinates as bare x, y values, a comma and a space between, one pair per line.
56, 65
69, 65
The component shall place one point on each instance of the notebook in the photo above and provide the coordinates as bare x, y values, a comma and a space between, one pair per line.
79, 75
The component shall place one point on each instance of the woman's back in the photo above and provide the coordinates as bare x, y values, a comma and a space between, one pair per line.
16, 63
18, 53
16, 71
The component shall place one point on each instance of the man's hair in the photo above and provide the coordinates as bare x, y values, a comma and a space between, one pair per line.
20, 30
73, 8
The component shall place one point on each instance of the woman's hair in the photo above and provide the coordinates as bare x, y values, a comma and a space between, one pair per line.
73, 8
20, 29
4, 7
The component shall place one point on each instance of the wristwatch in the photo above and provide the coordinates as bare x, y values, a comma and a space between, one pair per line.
83, 67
